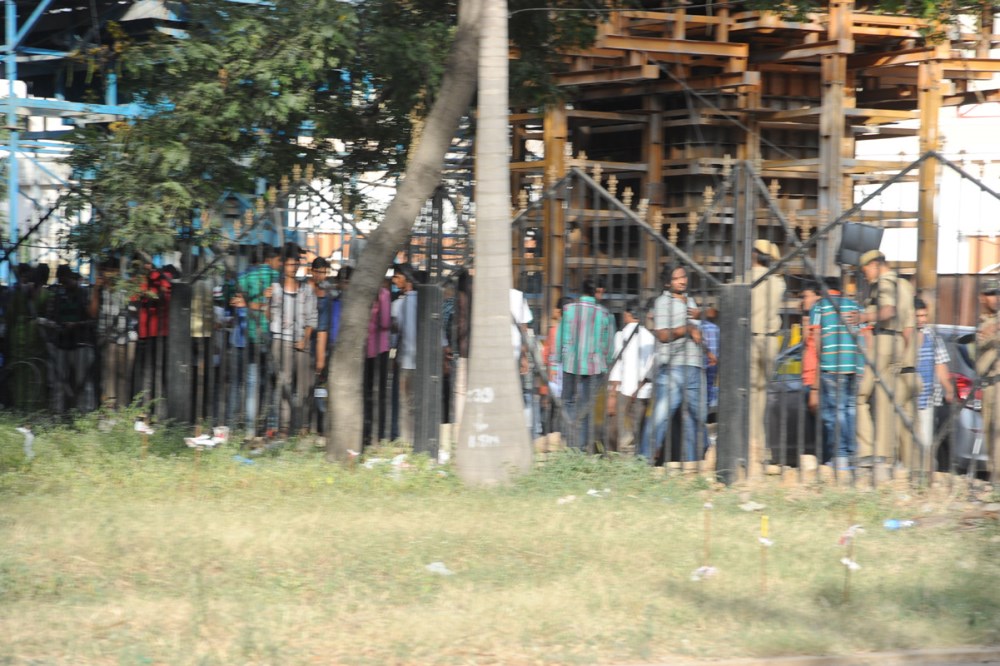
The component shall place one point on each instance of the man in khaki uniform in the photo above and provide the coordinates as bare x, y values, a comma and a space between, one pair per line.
988, 369
765, 327
890, 314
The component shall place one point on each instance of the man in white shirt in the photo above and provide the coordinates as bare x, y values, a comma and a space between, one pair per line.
520, 318
630, 392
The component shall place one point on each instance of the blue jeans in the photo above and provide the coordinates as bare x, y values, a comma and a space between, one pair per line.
838, 410
244, 376
532, 413
676, 385
579, 393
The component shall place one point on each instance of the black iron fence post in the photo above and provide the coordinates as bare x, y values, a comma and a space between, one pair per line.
178, 368
427, 420
734, 380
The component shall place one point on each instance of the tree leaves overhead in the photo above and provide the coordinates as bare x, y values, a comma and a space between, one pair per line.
541, 30
937, 11
250, 91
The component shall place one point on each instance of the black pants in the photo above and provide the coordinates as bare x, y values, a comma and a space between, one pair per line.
375, 386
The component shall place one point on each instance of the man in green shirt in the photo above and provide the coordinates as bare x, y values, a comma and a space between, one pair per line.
253, 296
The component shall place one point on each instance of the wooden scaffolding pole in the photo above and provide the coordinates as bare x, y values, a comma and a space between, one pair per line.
653, 149
556, 132
929, 101
831, 139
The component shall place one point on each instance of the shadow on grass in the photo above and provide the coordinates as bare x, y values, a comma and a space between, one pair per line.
871, 616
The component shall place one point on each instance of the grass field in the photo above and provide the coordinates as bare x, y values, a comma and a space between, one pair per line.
107, 557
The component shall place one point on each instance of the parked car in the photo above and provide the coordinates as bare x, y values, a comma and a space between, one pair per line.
956, 450
793, 430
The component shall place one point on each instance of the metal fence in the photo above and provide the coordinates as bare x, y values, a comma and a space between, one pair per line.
584, 227
201, 352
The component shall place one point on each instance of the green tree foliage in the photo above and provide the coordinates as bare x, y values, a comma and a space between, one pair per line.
540, 31
252, 91
941, 12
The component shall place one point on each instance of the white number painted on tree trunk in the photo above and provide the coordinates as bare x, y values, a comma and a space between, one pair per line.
483, 441
482, 395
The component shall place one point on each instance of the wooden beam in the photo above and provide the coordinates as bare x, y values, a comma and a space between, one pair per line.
606, 166
610, 116
675, 46
973, 97
886, 21
757, 21
805, 51
902, 57
890, 95
617, 129
787, 68
848, 166
863, 116
525, 117
888, 133
594, 52
603, 262
608, 75
972, 65
716, 82
653, 17
881, 34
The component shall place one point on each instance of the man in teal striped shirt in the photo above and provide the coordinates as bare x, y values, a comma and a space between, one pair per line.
841, 361
586, 335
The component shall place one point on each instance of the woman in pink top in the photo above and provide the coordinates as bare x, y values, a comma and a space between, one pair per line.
377, 366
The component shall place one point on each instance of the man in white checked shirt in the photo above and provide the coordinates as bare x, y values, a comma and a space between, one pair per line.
629, 391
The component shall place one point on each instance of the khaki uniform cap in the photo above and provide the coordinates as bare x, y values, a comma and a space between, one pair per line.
870, 256
768, 248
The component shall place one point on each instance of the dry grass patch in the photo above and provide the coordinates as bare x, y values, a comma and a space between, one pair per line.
107, 558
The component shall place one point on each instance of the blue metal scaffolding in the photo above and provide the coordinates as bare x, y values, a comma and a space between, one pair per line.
22, 145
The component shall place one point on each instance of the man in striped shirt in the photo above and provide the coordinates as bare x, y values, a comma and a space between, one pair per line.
586, 334
836, 385
933, 366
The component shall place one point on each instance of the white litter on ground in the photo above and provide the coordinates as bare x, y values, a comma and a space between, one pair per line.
439, 568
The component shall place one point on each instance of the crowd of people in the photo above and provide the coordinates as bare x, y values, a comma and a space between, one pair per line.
261, 340
874, 369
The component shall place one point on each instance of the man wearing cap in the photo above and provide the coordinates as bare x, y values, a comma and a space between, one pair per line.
988, 368
765, 326
889, 312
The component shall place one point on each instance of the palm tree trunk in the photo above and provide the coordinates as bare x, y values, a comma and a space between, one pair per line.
493, 440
